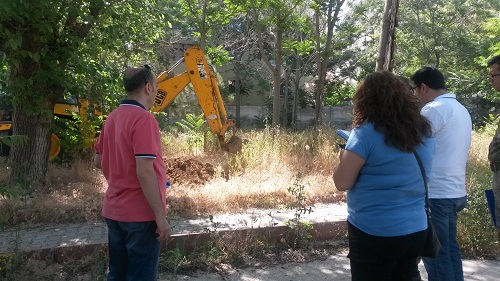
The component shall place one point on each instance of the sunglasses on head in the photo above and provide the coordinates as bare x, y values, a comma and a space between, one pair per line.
144, 73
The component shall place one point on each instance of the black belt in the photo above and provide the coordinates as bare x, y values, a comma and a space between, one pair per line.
495, 166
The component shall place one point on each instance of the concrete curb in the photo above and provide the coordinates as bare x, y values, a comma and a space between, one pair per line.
321, 231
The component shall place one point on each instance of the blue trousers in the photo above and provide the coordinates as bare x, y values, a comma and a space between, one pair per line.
447, 266
133, 251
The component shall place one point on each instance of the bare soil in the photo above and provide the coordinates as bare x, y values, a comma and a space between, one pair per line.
189, 171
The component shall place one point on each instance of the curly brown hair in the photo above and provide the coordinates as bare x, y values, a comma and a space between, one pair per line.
386, 101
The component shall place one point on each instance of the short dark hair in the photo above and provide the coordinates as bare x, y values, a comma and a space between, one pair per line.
430, 76
137, 77
494, 60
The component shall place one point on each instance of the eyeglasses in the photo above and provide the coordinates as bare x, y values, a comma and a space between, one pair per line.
414, 88
493, 75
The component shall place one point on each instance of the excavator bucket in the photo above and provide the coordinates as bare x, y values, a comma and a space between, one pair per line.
234, 145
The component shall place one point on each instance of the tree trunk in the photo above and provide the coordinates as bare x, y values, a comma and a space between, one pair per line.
385, 58
321, 80
324, 53
237, 95
286, 89
277, 79
295, 91
29, 162
276, 100
295, 98
32, 116
276, 69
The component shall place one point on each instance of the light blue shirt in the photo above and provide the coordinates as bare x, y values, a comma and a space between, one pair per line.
388, 196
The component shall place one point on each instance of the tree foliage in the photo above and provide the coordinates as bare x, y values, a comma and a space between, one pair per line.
450, 34
52, 50
56, 48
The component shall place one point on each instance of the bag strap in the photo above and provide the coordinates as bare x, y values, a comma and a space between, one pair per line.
422, 170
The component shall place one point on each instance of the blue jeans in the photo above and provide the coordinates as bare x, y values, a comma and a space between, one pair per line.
133, 250
447, 266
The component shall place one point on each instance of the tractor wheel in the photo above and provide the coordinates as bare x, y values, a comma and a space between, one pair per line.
55, 146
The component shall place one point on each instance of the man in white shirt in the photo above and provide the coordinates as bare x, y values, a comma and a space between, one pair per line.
451, 128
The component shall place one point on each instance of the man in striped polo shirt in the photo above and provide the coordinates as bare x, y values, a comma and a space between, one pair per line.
129, 153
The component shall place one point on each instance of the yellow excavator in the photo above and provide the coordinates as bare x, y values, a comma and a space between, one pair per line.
62, 110
198, 74
206, 88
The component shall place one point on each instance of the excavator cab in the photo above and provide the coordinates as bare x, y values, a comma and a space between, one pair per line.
206, 88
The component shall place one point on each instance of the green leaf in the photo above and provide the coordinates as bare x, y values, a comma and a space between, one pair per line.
14, 139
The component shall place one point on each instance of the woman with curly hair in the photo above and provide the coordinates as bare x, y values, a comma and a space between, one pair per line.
385, 189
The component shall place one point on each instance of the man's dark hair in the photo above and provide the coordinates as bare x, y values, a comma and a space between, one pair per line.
136, 77
430, 76
494, 60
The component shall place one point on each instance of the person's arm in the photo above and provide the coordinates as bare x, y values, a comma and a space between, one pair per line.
149, 184
97, 161
347, 171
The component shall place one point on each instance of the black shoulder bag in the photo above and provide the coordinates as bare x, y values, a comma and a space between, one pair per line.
431, 246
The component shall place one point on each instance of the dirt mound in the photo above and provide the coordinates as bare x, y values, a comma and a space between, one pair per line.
190, 171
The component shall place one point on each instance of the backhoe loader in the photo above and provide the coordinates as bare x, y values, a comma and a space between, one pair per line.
65, 110
205, 86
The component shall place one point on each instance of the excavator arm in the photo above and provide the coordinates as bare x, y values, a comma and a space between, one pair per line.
206, 88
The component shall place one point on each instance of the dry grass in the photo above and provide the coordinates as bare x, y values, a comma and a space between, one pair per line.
476, 235
258, 178
73, 194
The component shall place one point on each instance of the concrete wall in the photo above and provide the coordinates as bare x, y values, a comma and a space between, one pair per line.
337, 116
